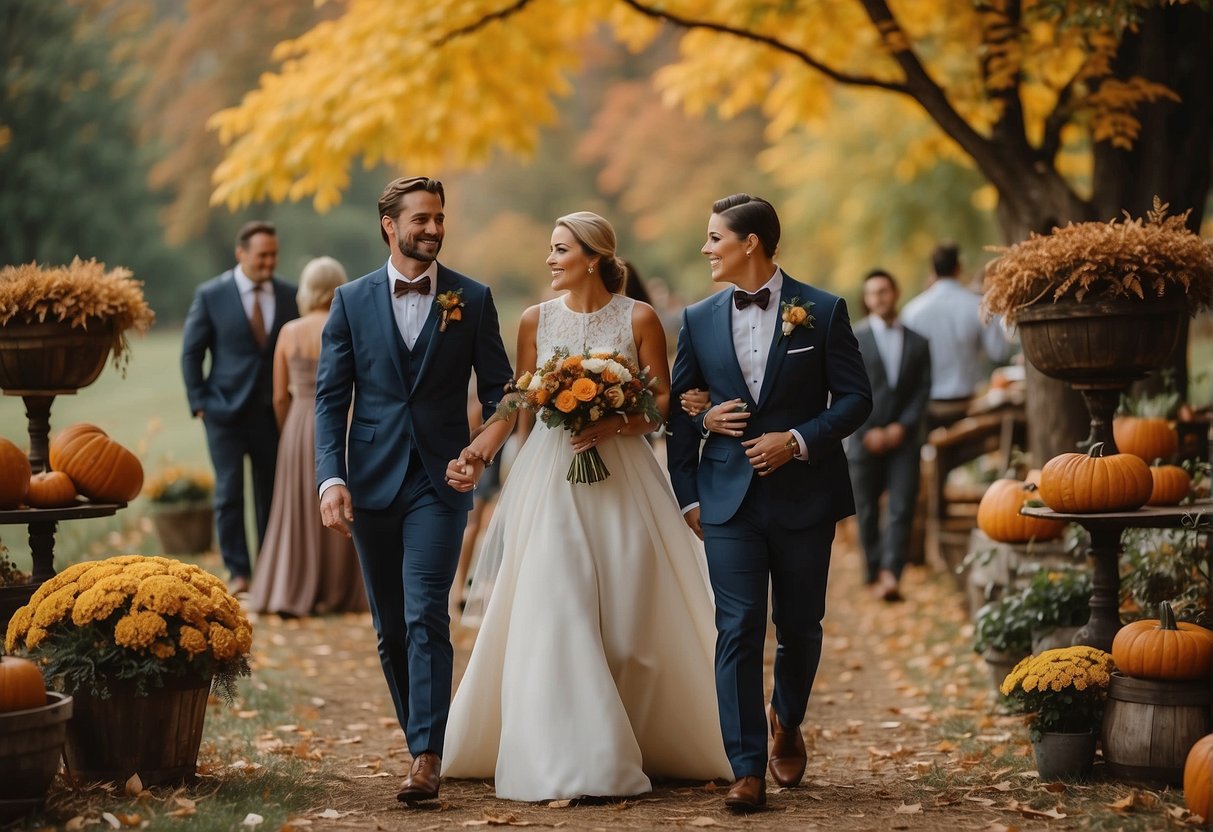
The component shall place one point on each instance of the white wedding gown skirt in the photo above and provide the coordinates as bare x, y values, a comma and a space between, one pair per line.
593, 667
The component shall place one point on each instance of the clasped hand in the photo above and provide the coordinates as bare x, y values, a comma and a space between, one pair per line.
766, 453
463, 473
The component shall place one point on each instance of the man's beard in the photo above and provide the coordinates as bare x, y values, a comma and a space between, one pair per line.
416, 254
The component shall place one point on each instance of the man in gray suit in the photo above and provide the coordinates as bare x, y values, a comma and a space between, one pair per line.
883, 454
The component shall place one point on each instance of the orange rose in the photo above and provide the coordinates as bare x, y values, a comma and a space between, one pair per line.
609, 377
796, 315
566, 401
573, 362
454, 314
584, 389
540, 397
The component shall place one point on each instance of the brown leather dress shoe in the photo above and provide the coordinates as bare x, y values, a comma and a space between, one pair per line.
747, 794
423, 780
788, 755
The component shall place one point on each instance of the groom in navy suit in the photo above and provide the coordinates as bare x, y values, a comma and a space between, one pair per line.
401, 344
781, 364
236, 317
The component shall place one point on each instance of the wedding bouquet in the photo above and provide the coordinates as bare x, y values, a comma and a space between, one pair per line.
574, 391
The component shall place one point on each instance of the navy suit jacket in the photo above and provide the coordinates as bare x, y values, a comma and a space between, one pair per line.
240, 372
815, 383
905, 402
361, 359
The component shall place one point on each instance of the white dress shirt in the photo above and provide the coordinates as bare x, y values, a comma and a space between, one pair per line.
249, 294
411, 310
890, 341
946, 314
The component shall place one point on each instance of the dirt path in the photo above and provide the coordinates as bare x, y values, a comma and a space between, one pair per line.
891, 677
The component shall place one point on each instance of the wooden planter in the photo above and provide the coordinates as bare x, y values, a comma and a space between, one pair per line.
30, 744
155, 736
50, 358
184, 529
1150, 725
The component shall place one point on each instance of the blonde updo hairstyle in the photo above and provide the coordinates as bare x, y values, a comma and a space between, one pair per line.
317, 284
597, 237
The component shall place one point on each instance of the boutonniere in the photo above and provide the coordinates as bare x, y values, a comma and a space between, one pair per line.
793, 313
449, 304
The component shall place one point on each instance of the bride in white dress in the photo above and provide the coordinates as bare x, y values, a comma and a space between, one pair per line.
593, 667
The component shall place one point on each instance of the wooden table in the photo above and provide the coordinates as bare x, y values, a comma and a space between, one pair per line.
1105, 530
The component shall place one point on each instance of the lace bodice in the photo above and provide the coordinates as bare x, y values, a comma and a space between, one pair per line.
608, 328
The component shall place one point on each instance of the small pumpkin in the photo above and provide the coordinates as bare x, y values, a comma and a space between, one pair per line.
1171, 485
1147, 437
51, 489
998, 514
21, 685
1198, 774
14, 475
1092, 482
1163, 649
101, 469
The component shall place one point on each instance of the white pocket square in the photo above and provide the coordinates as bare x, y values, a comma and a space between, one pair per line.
802, 349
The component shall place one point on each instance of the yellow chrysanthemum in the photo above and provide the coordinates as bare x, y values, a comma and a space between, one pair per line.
55, 607
223, 642
100, 570
95, 604
139, 630
18, 625
163, 594
163, 650
192, 641
34, 637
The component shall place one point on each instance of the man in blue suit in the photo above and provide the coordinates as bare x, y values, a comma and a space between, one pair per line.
780, 361
401, 343
236, 317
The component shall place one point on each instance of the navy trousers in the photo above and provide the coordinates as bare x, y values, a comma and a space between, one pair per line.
757, 548
254, 436
409, 552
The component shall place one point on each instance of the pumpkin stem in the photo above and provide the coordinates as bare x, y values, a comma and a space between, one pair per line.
1096, 450
1030, 486
1166, 616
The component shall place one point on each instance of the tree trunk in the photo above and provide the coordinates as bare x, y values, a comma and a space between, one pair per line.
1171, 158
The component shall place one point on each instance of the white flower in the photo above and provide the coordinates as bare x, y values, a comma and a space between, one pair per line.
594, 365
619, 371
536, 382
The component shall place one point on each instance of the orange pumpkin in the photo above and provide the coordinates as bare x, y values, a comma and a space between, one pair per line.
14, 475
998, 514
1147, 437
1171, 485
21, 685
51, 489
1198, 774
1092, 482
1162, 649
101, 469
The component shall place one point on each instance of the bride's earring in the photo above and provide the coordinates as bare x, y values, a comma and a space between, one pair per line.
590, 270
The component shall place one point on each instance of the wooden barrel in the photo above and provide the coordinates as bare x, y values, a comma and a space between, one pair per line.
30, 744
1150, 725
156, 736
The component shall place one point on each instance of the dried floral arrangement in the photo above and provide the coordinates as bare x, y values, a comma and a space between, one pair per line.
75, 293
1122, 258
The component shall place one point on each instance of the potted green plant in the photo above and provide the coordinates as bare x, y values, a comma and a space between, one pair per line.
181, 510
139, 642
1059, 603
1003, 634
1099, 304
1064, 691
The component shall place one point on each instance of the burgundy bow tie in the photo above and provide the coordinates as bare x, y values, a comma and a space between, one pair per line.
760, 298
403, 287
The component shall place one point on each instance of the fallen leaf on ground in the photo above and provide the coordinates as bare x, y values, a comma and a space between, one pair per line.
133, 785
908, 809
252, 820
702, 820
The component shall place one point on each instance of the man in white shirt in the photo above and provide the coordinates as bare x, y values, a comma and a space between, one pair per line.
946, 314
883, 455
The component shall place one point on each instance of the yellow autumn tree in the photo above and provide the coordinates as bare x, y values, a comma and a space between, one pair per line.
1008, 83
